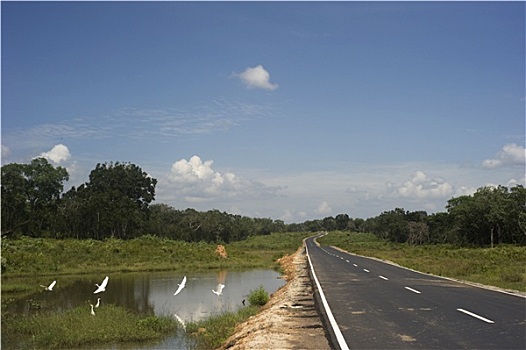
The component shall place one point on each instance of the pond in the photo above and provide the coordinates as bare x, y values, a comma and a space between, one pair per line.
153, 293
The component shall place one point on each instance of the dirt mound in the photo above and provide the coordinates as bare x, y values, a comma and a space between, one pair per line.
221, 251
289, 320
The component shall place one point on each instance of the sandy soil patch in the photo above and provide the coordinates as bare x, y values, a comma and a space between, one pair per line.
289, 320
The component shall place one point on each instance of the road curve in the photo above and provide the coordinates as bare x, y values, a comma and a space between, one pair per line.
376, 305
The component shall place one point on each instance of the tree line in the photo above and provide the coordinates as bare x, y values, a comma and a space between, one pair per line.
117, 202
490, 216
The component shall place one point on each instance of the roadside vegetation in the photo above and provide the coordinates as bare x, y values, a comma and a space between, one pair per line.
502, 266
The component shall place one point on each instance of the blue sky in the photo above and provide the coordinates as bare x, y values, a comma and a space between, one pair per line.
287, 110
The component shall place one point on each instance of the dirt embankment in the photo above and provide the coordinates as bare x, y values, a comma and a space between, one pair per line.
289, 320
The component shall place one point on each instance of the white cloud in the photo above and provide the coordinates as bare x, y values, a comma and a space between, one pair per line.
59, 153
256, 78
420, 186
323, 208
196, 181
291, 215
359, 190
5, 151
139, 124
514, 182
511, 154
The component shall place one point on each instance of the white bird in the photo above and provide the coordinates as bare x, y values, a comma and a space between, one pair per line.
92, 311
181, 286
98, 302
50, 287
102, 287
180, 321
219, 289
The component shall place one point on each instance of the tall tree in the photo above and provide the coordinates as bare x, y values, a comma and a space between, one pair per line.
30, 196
490, 216
115, 200
517, 214
342, 222
15, 213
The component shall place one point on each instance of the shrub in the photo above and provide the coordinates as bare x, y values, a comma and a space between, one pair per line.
258, 297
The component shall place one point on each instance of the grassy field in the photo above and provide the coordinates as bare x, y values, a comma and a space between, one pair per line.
30, 256
38, 258
503, 266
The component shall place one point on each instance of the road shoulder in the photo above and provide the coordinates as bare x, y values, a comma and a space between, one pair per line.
289, 320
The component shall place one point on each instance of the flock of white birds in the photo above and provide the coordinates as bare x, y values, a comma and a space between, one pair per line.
102, 288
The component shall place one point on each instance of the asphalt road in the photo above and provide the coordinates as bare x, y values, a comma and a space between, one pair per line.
377, 305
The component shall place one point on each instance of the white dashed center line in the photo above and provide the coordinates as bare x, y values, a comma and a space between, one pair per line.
412, 290
384, 278
475, 315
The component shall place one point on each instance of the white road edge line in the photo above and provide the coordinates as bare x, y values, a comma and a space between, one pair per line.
413, 290
337, 332
475, 315
384, 278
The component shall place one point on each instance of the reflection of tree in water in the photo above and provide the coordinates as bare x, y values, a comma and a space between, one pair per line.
221, 276
139, 294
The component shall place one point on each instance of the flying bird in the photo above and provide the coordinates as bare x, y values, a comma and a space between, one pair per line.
98, 302
102, 287
181, 286
50, 287
219, 290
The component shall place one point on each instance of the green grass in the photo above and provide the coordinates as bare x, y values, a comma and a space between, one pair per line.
77, 327
215, 330
46, 256
503, 266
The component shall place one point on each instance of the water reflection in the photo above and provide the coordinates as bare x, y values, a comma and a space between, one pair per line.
153, 293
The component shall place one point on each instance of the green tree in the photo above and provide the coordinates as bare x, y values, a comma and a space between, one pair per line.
517, 215
114, 202
392, 225
359, 225
15, 210
441, 229
342, 222
30, 196
490, 216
